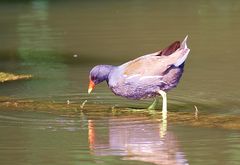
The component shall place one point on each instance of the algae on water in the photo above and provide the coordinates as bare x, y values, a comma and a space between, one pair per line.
186, 118
11, 77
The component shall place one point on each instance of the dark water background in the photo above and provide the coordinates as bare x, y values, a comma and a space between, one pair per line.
60, 41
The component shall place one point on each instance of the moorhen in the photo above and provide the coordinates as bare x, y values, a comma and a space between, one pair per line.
146, 76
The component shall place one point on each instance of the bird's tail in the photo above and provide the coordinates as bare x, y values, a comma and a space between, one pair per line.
183, 53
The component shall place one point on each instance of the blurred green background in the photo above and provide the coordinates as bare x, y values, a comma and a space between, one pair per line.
113, 30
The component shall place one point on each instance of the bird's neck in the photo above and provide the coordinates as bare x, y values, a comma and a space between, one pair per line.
105, 71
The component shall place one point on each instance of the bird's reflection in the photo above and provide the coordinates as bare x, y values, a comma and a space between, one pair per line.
136, 139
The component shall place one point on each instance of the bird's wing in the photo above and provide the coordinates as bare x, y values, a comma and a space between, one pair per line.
148, 66
165, 52
156, 64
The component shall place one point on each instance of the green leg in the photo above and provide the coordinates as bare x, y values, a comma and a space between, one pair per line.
153, 105
164, 104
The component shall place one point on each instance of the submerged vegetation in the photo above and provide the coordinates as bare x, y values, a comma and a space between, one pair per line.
11, 77
73, 109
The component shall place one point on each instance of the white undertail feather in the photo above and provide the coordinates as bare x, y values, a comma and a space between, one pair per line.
184, 50
184, 43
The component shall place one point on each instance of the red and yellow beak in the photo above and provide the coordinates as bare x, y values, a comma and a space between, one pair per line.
91, 86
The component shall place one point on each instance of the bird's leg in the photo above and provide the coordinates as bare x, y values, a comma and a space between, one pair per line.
163, 128
153, 105
164, 104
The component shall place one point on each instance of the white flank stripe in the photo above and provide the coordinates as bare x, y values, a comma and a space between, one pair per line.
145, 77
149, 77
135, 75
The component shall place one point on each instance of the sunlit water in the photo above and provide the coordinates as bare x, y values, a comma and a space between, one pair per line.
59, 42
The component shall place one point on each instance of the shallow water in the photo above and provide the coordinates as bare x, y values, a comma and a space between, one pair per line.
44, 138
59, 42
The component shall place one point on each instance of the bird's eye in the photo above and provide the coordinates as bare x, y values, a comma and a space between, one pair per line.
93, 78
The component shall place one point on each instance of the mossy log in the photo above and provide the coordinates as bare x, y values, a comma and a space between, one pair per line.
4, 77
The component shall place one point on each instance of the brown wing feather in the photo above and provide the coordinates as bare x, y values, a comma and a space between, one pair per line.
156, 64
170, 49
149, 66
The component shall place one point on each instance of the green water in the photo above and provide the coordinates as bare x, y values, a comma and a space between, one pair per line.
59, 42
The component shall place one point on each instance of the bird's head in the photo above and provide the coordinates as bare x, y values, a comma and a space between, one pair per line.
97, 75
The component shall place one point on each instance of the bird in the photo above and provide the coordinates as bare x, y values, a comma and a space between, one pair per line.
147, 76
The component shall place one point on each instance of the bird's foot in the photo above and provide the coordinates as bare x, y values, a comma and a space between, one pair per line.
135, 109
